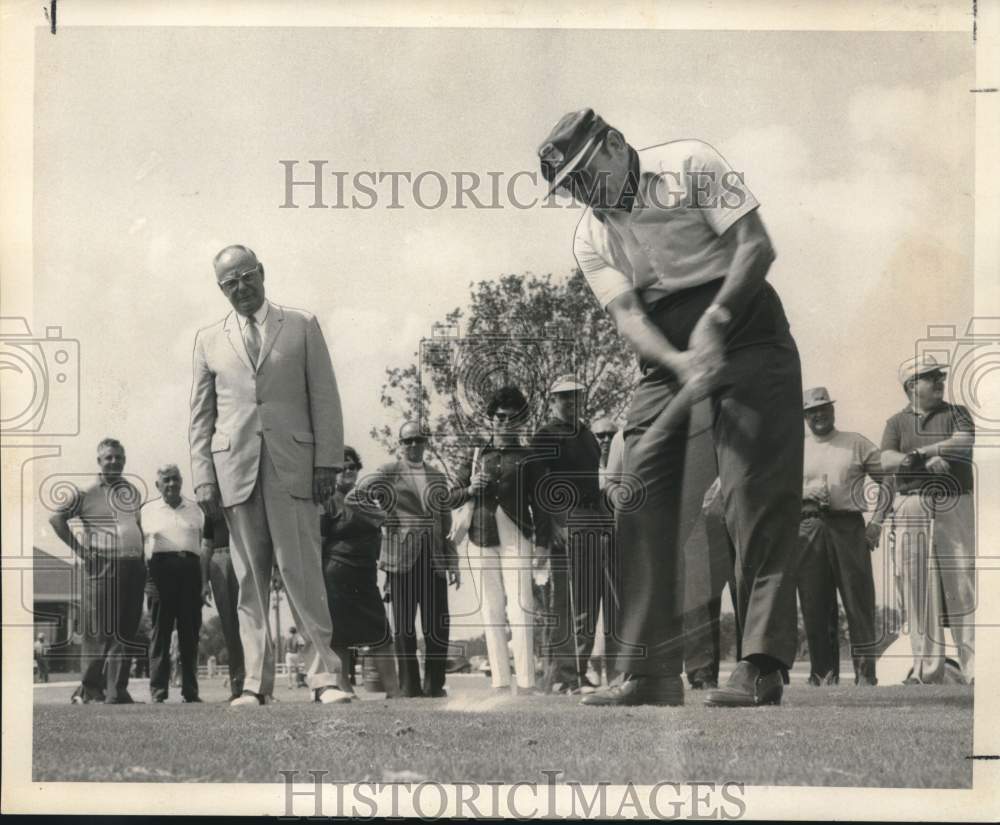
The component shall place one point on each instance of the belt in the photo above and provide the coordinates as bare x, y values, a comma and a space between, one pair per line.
175, 554
828, 513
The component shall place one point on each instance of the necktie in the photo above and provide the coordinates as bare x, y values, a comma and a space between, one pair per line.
251, 337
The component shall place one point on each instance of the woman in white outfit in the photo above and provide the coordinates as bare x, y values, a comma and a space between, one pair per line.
508, 531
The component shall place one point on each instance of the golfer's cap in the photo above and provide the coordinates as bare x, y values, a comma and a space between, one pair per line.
920, 365
412, 429
567, 383
815, 397
570, 145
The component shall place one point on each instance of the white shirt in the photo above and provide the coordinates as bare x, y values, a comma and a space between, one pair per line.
260, 316
615, 469
674, 237
171, 529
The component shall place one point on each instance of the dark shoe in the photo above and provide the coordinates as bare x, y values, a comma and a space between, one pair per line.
122, 700
865, 681
413, 693
746, 688
437, 693
193, 701
639, 690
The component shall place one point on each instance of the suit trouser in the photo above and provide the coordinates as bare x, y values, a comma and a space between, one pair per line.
420, 586
703, 614
755, 423
939, 587
502, 577
226, 592
174, 600
833, 555
112, 605
579, 582
273, 527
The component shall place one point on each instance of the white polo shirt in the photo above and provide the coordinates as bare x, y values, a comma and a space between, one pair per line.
674, 237
171, 529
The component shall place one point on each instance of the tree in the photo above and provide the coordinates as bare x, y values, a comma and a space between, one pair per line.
211, 642
521, 329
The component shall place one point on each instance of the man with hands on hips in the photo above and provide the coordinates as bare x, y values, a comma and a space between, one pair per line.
266, 445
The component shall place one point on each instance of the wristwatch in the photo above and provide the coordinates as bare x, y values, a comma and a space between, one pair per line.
718, 314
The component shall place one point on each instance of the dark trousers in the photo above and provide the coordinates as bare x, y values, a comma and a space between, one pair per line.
833, 555
422, 587
755, 420
580, 582
226, 593
112, 608
175, 601
702, 614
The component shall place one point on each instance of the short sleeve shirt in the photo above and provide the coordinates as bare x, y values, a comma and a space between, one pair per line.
908, 430
108, 516
172, 529
675, 236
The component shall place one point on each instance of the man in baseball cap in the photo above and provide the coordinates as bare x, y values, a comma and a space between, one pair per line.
672, 246
834, 543
574, 460
928, 445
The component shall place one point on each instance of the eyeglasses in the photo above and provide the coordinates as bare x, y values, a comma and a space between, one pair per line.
243, 278
605, 436
408, 442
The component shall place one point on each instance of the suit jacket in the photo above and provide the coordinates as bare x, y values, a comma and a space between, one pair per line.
413, 523
290, 402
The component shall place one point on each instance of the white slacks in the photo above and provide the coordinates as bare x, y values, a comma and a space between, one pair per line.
501, 576
939, 586
274, 527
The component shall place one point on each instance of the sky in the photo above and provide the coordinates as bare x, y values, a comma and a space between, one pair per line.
859, 147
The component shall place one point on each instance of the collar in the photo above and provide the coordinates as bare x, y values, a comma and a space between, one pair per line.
909, 408
259, 316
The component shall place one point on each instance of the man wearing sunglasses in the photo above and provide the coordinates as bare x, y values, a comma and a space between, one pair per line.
418, 558
672, 246
928, 445
267, 441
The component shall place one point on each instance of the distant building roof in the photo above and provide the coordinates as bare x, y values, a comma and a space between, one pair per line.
56, 579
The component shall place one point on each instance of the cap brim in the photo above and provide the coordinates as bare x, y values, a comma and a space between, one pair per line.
814, 405
928, 371
575, 163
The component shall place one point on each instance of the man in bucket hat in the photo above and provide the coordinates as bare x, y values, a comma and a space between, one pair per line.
928, 445
572, 457
672, 246
834, 544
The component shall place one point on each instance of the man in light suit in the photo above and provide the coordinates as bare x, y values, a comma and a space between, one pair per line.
266, 444
418, 558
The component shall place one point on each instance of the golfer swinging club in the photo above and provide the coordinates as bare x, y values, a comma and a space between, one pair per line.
673, 247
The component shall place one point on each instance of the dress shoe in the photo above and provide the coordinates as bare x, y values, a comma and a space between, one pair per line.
631, 690
193, 701
746, 688
437, 693
247, 699
122, 700
331, 695
586, 687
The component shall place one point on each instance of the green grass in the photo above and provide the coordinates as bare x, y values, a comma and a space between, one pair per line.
841, 736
